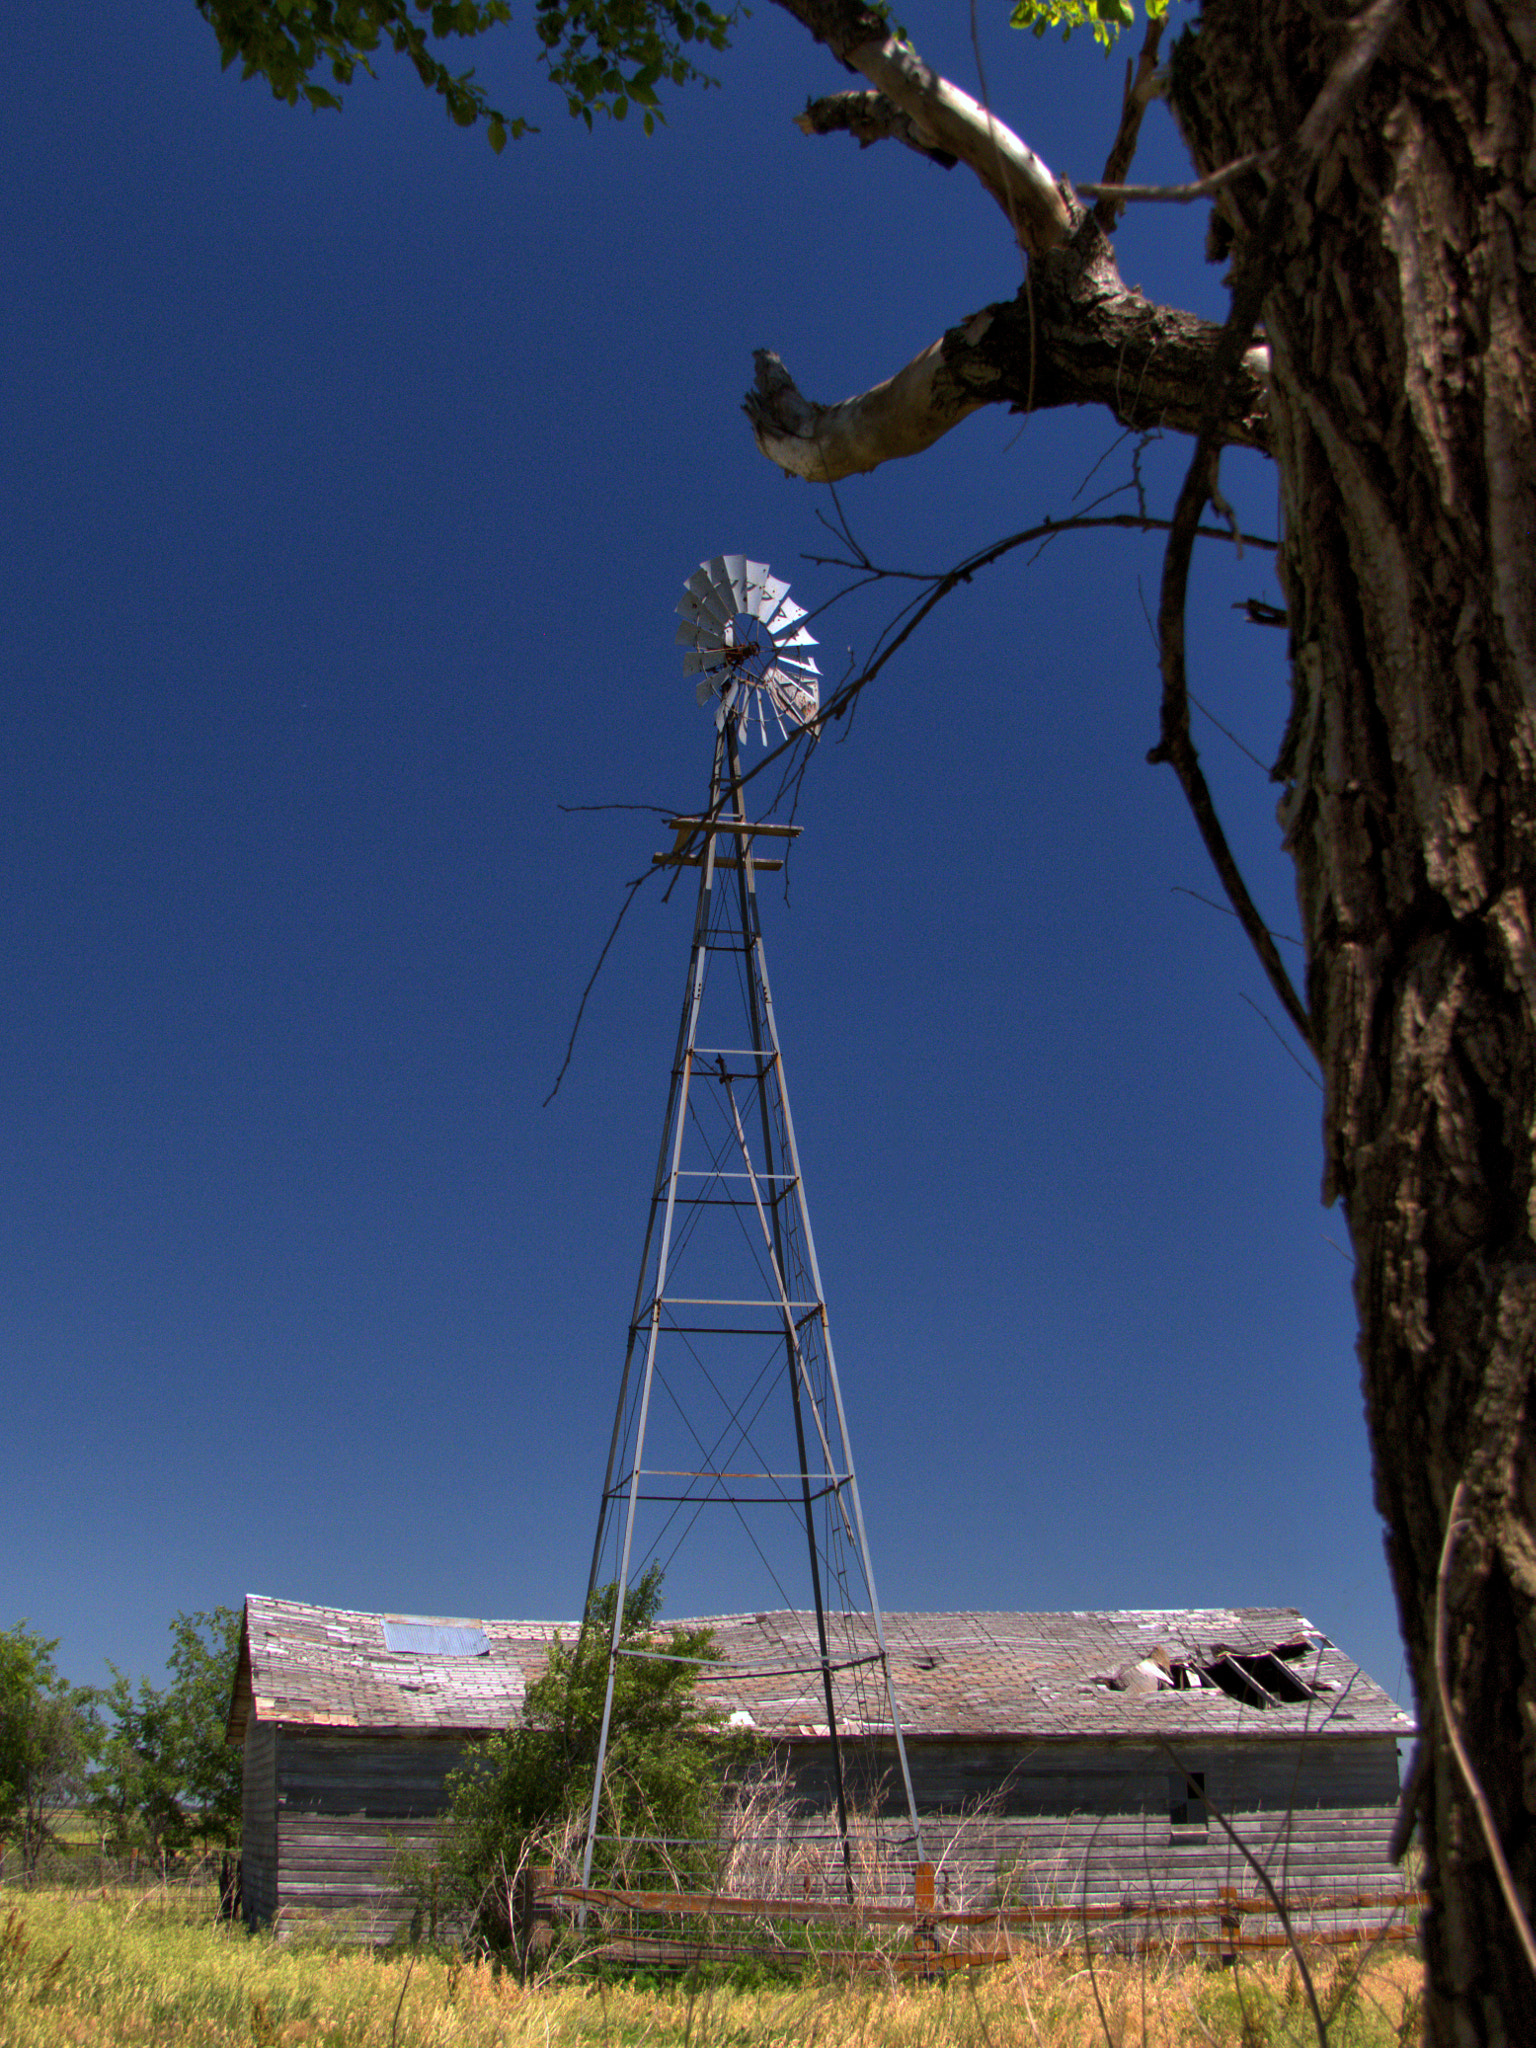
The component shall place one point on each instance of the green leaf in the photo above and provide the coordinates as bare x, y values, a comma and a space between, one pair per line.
620, 108
498, 134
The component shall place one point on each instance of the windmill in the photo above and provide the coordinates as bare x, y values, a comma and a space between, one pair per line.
730, 1425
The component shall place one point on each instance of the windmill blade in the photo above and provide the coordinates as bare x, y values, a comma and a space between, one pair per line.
721, 583
735, 567
788, 614
712, 601
705, 658
763, 591
705, 690
800, 664
775, 590
700, 633
700, 628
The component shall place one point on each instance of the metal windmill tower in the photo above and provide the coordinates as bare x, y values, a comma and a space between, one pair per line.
730, 1427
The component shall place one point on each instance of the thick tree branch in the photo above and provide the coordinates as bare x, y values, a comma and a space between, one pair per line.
1076, 336
902, 416
944, 120
868, 117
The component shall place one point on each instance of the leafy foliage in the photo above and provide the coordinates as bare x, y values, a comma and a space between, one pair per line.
665, 1773
603, 54
47, 1734
1105, 17
165, 1771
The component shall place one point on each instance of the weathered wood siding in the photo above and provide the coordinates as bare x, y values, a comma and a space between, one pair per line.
1108, 1778
1058, 1822
326, 1812
258, 1833
345, 1804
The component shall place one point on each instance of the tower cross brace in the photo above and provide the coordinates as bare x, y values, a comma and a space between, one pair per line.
729, 1398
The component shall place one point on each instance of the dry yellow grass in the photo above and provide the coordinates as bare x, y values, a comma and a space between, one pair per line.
156, 1968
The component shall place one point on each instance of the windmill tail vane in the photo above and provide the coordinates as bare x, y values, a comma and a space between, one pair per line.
748, 647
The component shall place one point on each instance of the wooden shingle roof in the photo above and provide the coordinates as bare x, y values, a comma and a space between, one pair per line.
976, 1676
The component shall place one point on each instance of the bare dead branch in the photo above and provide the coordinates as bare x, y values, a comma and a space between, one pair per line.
570, 1044
907, 621
1076, 336
1140, 90
824, 443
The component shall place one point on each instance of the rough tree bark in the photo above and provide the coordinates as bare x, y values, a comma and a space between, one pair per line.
1400, 309
1401, 316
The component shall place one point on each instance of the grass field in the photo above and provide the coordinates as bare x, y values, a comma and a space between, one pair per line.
156, 1967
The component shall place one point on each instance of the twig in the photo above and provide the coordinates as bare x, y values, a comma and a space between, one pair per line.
1453, 1527
895, 636
845, 697
1288, 1050
400, 2001
1227, 733
1265, 1880
1178, 889
1177, 195
570, 1044
1093, 1977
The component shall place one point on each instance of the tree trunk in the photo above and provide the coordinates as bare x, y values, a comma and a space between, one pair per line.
1401, 316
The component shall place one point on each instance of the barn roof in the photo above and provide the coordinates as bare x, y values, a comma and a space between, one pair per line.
1253, 1672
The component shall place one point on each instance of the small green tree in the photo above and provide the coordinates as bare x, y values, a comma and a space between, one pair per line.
165, 1774
48, 1732
665, 1775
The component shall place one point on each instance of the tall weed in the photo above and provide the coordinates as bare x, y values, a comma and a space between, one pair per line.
155, 1968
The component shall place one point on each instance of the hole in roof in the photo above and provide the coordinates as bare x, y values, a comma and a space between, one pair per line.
434, 1639
1255, 1678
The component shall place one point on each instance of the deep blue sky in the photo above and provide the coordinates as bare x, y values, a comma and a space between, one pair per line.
351, 476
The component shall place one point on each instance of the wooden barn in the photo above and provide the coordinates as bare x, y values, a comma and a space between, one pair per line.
1054, 1756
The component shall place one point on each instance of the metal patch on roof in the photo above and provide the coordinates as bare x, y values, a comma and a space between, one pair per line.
435, 1639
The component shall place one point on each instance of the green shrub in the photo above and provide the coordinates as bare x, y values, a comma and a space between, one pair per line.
522, 1797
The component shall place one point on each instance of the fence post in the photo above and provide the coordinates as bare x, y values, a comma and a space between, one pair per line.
925, 1932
